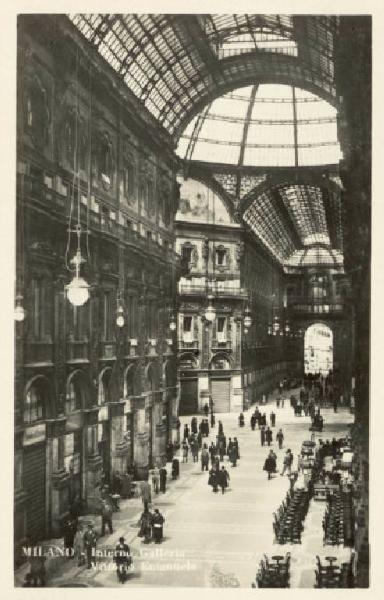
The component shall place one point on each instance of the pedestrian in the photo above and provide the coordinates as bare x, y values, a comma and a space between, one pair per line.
194, 425
199, 440
272, 418
270, 464
163, 480
264, 420
69, 531
282, 401
212, 420
195, 450
90, 540
232, 453
206, 409
185, 451
145, 523
222, 448
253, 421
157, 526
169, 451
204, 458
223, 477
278, 402
78, 546
186, 432
268, 436
241, 420
212, 452
155, 473
206, 428
106, 517
262, 436
122, 558
212, 479
146, 495
117, 483
287, 462
236, 444
175, 468
280, 438
221, 429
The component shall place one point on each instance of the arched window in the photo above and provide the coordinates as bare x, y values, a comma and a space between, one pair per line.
104, 386
74, 399
35, 400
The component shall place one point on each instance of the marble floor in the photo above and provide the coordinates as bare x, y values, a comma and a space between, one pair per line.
213, 540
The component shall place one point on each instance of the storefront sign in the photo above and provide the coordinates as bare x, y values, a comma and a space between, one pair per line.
34, 434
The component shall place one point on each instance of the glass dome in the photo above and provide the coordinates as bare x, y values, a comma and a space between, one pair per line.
264, 125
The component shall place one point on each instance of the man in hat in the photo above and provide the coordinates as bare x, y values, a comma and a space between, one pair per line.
122, 558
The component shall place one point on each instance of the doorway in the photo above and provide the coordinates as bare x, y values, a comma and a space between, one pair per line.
318, 349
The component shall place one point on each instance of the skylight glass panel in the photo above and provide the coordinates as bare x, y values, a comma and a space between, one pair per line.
279, 157
221, 153
320, 155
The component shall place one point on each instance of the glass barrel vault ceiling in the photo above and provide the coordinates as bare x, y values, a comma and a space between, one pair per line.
265, 125
173, 62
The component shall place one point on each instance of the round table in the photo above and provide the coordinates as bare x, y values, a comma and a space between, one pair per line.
278, 559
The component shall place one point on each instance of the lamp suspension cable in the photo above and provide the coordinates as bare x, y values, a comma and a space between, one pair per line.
78, 289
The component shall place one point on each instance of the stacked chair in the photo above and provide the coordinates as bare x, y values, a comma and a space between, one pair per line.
333, 521
338, 520
288, 520
334, 575
273, 573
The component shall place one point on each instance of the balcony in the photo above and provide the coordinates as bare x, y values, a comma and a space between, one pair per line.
78, 351
218, 345
188, 345
39, 352
225, 291
319, 307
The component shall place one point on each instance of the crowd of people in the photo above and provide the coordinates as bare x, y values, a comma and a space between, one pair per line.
80, 539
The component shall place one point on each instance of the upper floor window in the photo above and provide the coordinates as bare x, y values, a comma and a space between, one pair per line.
35, 400
221, 257
187, 328
221, 329
108, 313
74, 395
41, 309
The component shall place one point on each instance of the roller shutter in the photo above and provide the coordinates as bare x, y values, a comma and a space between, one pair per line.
34, 485
188, 397
221, 395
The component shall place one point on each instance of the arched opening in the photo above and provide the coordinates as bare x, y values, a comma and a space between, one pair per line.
131, 381
103, 395
318, 349
75, 392
36, 399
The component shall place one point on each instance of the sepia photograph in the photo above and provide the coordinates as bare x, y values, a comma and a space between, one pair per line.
192, 296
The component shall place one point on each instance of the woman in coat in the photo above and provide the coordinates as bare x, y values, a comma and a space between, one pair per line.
157, 526
194, 425
270, 464
268, 436
212, 480
145, 523
223, 477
